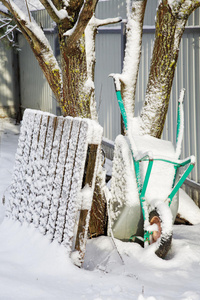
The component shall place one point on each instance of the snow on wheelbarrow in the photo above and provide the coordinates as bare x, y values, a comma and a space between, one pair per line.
145, 184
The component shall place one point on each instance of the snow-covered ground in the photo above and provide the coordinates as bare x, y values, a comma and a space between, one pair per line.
33, 268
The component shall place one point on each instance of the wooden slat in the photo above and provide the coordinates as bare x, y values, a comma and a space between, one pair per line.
21, 183
48, 177
82, 231
66, 187
76, 183
45, 173
58, 179
15, 190
27, 198
41, 167
53, 191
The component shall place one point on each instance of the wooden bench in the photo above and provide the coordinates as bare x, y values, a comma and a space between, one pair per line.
54, 177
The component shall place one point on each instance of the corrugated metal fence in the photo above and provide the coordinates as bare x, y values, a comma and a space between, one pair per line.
35, 92
6, 81
186, 76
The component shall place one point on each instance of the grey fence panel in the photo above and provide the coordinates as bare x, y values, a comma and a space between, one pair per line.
114, 8
187, 76
35, 91
194, 19
108, 60
111, 9
43, 19
150, 12
7, 104
147, 47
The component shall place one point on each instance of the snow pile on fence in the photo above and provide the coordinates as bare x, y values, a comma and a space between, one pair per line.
48, 175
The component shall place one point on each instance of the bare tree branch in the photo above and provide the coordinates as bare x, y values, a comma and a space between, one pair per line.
90, 33
183, 8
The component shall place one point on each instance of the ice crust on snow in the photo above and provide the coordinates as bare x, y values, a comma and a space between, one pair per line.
47, 182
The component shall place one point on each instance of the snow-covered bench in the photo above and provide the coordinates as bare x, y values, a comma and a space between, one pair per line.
54, 176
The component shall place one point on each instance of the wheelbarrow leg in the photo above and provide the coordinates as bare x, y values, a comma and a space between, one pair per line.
180, 182
143, 204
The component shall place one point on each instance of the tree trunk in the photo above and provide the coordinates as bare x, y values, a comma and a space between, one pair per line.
76, 98
170, 25
98, 216
165, 54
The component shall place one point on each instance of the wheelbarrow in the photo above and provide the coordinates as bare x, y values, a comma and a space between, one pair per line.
145, 183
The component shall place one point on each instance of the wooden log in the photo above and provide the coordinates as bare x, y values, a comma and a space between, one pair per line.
85, 213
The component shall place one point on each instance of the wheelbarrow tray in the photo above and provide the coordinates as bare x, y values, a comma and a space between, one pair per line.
127, 219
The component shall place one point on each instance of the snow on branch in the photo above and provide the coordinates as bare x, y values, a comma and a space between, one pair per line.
128, 79
85, 14
5, 22
9, 31
55, 14
183, 8
117, 80
103, 22
31, 28
90, 33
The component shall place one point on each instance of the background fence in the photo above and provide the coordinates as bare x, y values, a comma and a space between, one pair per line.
34, 91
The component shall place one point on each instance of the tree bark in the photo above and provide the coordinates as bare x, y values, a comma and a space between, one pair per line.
74, 69
170, 25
